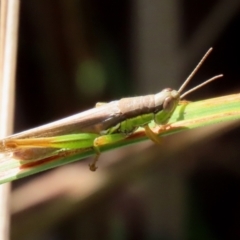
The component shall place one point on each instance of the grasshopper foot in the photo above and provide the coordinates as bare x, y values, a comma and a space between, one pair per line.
92, 166
150, 134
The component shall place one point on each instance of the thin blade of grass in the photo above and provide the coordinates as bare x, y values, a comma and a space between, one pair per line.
8, 51
188, 115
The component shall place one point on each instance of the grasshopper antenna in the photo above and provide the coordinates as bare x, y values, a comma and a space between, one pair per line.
193, 73
201, 85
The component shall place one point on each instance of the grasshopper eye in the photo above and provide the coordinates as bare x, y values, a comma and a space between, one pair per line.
160, 98
169, 103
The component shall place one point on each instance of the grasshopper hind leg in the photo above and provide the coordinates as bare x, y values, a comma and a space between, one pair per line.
92, 165
101, 141
112, 138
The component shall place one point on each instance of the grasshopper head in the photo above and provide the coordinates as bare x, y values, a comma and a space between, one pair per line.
165, 104
166, 99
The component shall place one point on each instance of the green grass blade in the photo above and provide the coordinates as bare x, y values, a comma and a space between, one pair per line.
188, 115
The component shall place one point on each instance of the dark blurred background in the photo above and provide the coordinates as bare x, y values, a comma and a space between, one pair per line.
74, 53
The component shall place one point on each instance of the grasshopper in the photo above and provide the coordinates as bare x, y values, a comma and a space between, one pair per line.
105, 124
